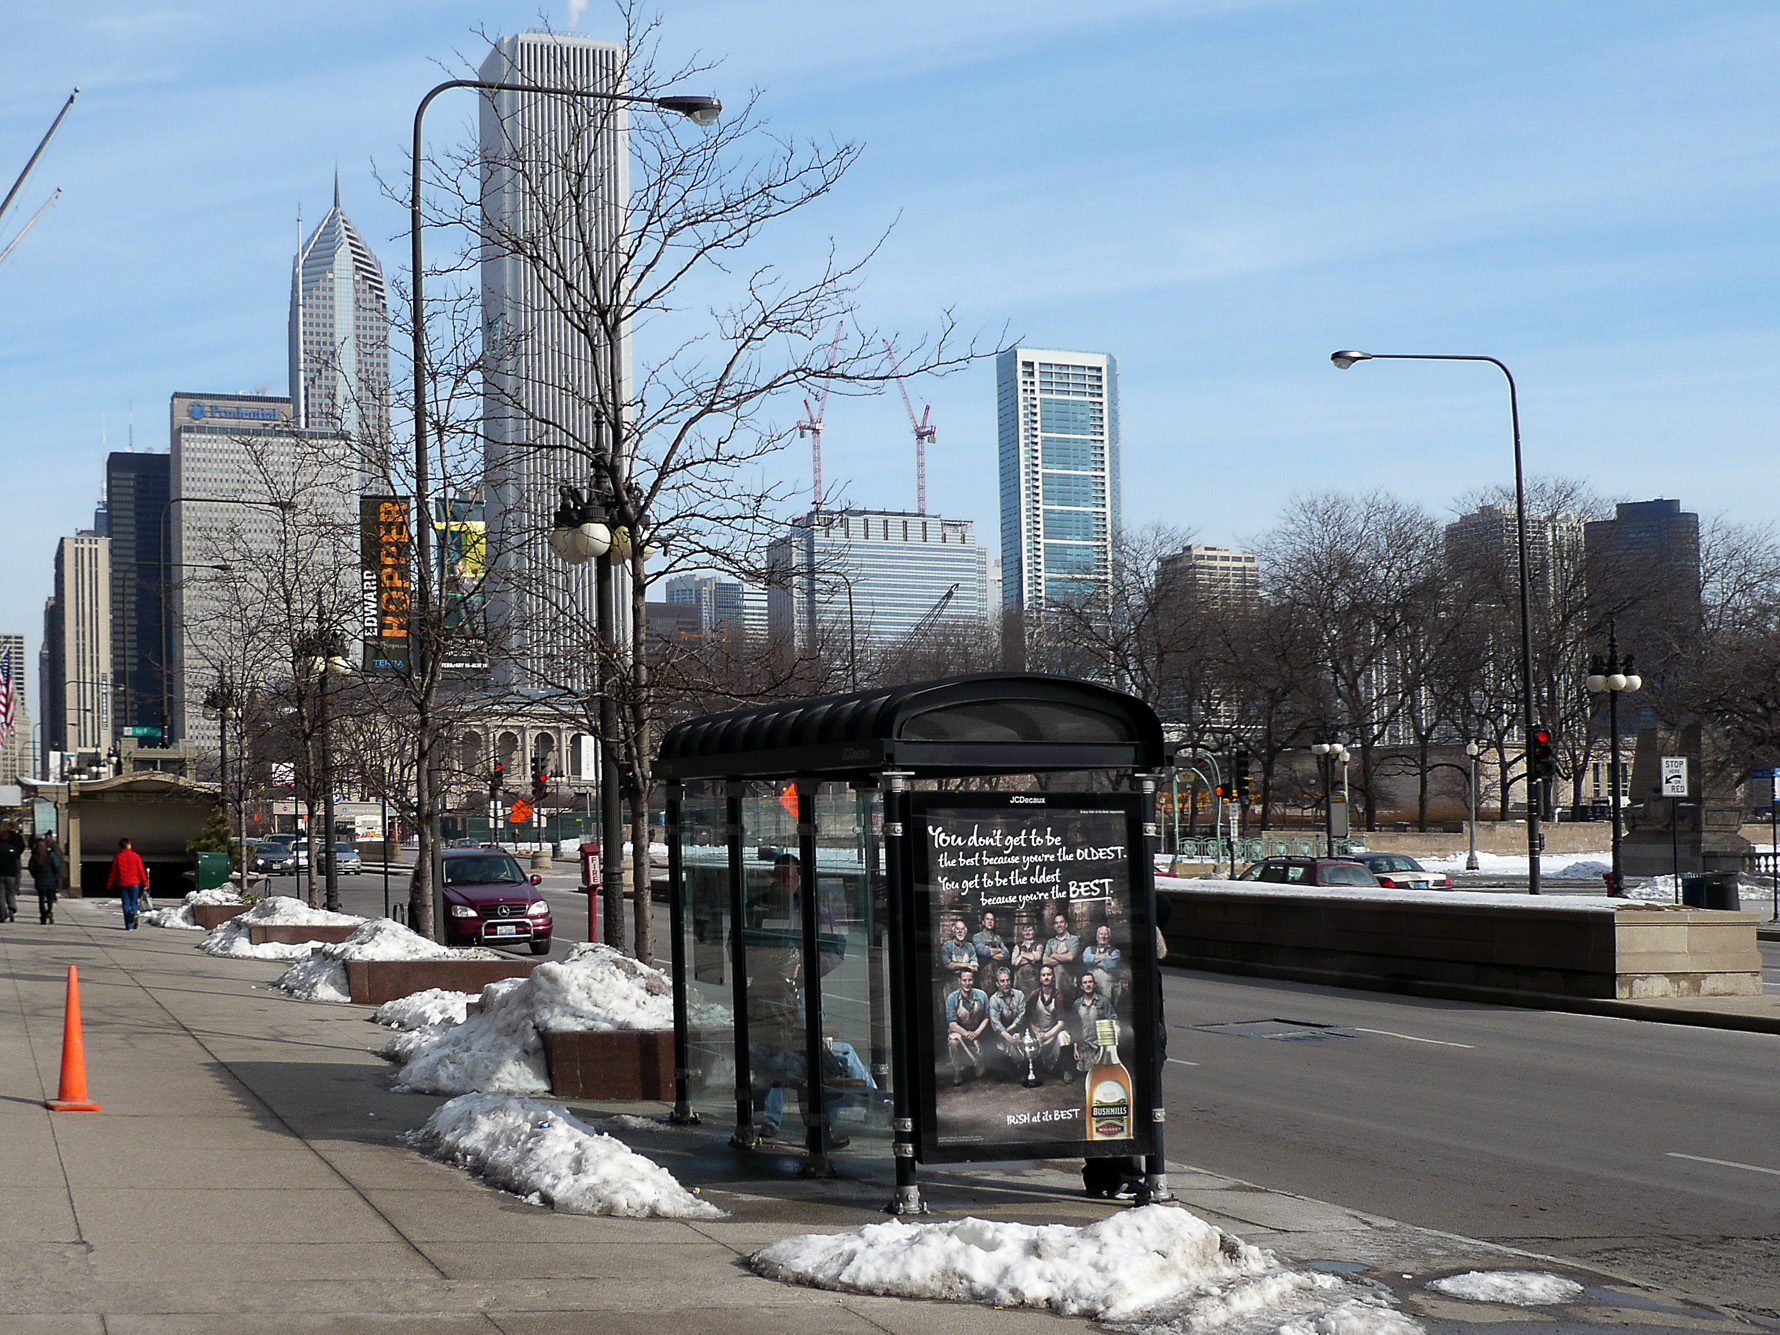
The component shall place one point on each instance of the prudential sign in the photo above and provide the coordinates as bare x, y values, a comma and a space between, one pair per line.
231, 412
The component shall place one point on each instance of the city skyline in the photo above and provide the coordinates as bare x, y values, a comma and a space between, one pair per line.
1600, 255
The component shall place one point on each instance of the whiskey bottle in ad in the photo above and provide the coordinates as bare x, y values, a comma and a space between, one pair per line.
1109, 1089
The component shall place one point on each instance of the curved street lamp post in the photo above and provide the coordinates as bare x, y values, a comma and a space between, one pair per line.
1535, 841
700, 110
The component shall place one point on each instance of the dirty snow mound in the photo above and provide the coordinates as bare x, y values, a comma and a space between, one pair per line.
1521, 1288
549, 1157
500, 1049
181, 917
231, 939
322, 976
1155, 1268
432, 1006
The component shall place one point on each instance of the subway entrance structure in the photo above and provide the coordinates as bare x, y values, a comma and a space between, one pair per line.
934, 901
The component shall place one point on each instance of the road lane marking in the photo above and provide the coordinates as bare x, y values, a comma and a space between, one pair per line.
1727, 1163
1411, 1038
1181, 1061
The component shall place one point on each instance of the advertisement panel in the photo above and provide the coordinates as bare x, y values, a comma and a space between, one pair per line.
386, 572
1034, 976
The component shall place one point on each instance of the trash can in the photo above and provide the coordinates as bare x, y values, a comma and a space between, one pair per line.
210, 870
1710, 890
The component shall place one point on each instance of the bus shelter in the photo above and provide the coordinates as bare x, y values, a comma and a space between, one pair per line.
925, 916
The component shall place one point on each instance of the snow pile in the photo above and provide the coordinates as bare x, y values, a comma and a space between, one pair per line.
1152, 1267
181, 917
1558, 866
500, 1048
322, 975
1521, 1288
232, 940
421, 1009
550, 1158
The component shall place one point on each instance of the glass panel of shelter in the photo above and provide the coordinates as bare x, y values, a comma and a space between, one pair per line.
852, 948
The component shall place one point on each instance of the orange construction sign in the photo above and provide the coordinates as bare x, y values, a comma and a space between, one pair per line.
788, 799
520, 812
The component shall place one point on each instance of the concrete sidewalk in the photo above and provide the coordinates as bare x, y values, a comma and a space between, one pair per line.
246, 1175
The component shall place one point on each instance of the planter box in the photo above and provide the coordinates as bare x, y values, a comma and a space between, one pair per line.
212, 916
374, 982
627, 1066
296, 934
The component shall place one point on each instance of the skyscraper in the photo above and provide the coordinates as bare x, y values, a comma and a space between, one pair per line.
556, 179
82, 653
1060, 494
15, 752
873, 575
339, 337
1644, 568
136, 489
1212, 574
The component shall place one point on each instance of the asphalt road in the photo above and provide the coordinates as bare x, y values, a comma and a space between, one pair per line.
1652, 1149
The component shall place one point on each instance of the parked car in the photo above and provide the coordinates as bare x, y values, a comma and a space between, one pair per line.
1399, 871
1309, 871
272, 858
347, 862
489, 901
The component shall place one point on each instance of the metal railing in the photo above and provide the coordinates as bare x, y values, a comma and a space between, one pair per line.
1253, 850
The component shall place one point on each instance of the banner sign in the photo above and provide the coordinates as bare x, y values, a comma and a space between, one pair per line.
386, 547
1034, 976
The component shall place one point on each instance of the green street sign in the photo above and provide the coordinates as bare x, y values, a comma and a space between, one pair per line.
139, 730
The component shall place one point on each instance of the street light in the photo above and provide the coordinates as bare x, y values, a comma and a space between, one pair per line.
1472, 749
221, 702
700, 110
1343, 360
323, 653
1333, 751
1613, 675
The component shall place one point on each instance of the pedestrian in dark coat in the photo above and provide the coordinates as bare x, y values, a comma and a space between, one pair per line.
46, 875
12, 850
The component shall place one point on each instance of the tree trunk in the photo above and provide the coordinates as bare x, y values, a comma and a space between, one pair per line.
1421, 796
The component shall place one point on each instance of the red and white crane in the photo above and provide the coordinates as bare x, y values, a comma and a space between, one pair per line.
924, 433
811, 425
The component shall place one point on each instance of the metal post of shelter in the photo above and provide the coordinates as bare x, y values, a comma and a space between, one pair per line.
907, 1199
744, 1137
682, 1114
815, 1101
1155, 1163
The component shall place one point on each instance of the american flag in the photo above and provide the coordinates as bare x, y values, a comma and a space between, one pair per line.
7, 694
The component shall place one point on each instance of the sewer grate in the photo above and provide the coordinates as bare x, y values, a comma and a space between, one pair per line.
1286, 1031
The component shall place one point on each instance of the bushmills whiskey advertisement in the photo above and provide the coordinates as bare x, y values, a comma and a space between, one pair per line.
1037, 999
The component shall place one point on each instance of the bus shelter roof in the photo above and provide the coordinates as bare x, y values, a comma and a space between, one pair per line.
984, 723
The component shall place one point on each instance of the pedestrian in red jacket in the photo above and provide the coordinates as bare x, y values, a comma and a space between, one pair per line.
129, 878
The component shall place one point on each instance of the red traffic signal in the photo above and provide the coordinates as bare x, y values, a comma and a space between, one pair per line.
1542, 737
1544, 761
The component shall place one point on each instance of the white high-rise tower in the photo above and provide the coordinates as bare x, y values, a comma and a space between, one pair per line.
556, 182
339, 338
1060, 502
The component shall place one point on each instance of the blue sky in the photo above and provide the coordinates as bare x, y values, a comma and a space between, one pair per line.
1219, 192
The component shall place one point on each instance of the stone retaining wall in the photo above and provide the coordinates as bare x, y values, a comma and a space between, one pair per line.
626, 1066
373, 982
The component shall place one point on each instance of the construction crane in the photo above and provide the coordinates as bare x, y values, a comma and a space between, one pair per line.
28, 226
926, 623
924, 433
811, 425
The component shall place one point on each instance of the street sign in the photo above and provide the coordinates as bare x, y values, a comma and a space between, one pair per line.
1338, 828
141, 730
1674, 776
1777, 785
520, 812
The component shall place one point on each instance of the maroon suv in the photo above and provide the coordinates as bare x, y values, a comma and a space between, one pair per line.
489, 901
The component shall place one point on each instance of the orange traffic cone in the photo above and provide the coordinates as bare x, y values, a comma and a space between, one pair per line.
72, 1096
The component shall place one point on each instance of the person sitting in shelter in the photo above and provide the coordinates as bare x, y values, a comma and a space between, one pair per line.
1061, 951
1090, 1008
967, 1018
1027, 953
1104, 959
990, 948
1007, 1021
958, 954
1047, 1020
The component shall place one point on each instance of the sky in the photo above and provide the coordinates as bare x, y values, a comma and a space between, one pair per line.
1218, 192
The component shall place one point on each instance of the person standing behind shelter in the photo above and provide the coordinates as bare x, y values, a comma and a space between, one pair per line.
12, 849
129, 878
46, 875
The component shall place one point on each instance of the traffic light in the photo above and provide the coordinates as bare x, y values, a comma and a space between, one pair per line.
1545, 765
540, 786
497, 779
1239, 772
1222, 792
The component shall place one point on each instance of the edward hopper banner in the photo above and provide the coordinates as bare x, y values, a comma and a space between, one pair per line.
1034, 976
386, 544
